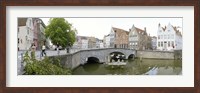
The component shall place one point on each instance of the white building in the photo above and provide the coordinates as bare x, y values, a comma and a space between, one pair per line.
101, 44
168, 38
25, 33
84, 44
107, 41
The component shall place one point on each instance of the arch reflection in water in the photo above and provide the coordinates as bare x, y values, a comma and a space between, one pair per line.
91, 64
133, 67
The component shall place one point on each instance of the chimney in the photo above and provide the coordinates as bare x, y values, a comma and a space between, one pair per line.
159, 25
144, 28
129, 30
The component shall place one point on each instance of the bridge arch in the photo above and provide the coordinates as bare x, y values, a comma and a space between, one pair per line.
116, 55
131, 56
101, 55
93, 60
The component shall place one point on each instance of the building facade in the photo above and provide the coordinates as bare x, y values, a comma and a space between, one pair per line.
118, 38
31, 31
169, 38
84, 44
107, 41
41, 35
81, 42
25, 33
91, 42
101, 44
154, 42
139, 39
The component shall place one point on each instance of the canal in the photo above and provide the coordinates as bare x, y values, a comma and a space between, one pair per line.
133, 67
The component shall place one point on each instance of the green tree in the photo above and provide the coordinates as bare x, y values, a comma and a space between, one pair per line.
60, 32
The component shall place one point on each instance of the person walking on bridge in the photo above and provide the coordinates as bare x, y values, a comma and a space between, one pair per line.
43, 50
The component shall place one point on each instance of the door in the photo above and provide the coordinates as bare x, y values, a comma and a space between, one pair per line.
165, 45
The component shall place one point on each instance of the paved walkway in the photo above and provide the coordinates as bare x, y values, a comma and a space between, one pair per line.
20, 65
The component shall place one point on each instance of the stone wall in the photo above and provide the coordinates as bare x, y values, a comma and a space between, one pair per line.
155, 54
75, 59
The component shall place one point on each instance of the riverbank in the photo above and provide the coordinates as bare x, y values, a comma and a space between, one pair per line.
176, 54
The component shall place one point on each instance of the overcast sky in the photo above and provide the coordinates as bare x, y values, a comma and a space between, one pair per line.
98, 27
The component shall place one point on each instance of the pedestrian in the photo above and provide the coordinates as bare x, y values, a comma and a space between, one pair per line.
58, 50
33, 48
43, 50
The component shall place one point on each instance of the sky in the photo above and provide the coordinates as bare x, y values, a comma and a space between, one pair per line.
98, 27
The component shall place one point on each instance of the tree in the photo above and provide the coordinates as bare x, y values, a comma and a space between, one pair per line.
60, 32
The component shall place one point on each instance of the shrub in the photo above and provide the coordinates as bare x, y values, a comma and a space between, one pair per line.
44, 67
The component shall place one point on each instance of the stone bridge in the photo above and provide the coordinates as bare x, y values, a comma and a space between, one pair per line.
103, 55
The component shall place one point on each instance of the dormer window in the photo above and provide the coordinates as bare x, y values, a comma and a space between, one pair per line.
168, 30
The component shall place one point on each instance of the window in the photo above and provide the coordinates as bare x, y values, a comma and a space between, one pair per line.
161, 37
168, 37
28, 31
26, 38
21, 40
168, 30
158, 36
18, 40
165, 37
158, 44
18, 30
168, 43
172, 43
161, 44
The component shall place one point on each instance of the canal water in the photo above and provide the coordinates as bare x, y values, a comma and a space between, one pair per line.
133, 67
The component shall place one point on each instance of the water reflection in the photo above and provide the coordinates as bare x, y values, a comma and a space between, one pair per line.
133, 67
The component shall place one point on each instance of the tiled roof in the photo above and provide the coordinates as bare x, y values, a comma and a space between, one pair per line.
119, 31
139, 30
164, 28
22, 21
177, 31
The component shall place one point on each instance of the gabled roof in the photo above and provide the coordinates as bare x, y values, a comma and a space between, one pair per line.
139, 30
174, 28
22, 21
164, 28
119, 31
